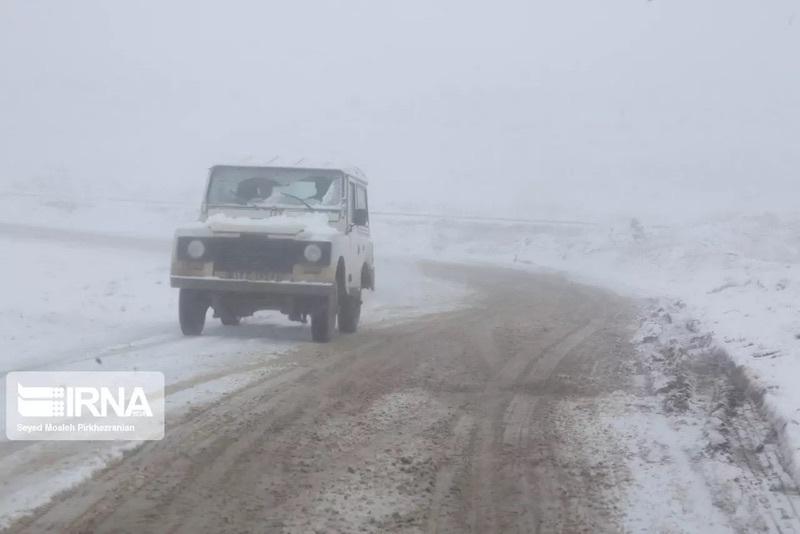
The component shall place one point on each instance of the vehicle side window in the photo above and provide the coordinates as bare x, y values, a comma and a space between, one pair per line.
361, 201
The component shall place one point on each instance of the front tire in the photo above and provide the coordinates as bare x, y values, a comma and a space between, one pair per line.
350, 313
192, 308
323, 321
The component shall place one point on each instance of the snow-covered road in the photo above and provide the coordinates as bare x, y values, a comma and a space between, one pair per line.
527, 410
733, 280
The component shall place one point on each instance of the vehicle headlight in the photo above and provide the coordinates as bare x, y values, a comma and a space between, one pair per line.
313, 253
195, 249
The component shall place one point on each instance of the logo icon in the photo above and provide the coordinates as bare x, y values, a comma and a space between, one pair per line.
85, 405
41, 401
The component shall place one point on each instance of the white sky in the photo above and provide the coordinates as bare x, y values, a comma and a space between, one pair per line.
568, 108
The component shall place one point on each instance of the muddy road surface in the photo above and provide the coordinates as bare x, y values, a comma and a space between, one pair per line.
502, 416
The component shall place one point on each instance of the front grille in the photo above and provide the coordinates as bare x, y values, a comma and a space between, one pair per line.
252, 254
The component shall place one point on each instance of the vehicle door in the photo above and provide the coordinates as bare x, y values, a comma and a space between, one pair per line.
359, 230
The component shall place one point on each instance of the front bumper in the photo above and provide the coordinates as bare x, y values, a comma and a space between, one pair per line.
205, 283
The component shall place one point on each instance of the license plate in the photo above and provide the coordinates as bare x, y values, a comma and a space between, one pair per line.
258, 277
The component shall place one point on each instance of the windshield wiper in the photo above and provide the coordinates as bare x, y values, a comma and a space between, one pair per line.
251, 204
309, 206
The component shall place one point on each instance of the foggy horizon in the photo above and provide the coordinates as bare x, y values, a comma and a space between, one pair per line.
661, 110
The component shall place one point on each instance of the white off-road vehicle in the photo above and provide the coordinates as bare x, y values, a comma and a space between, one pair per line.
277, 238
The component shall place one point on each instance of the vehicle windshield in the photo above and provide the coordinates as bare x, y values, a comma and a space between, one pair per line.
271, 187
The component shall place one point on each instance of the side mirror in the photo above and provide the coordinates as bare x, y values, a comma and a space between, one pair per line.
360, 217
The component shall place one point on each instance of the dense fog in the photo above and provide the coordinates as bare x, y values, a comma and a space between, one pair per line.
659, 109
566, 301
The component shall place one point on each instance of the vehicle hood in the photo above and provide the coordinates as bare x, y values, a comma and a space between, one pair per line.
294, 225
